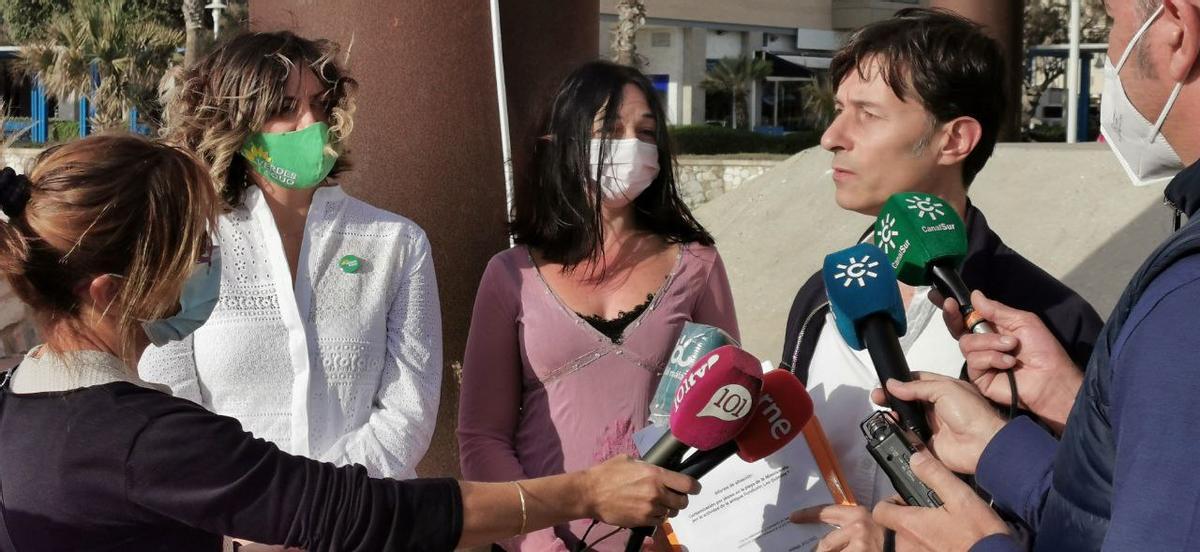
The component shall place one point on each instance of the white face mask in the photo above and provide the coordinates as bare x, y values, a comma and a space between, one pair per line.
1137, 143
630, 166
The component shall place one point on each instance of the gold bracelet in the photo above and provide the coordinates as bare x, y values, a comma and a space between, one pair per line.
524, 513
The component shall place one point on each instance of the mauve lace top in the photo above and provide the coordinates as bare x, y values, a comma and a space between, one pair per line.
544, 392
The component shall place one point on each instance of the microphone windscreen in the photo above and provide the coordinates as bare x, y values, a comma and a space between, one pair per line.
784, 407
715, 398
860, 283
695, 341
916, 230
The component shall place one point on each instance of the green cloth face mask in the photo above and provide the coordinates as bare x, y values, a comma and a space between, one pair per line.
296, 160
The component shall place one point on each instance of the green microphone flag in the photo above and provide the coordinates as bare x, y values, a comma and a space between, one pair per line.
917, 230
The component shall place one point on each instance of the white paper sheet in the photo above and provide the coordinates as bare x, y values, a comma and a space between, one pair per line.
744, 507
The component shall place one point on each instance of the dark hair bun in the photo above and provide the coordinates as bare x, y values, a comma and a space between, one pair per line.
14, 192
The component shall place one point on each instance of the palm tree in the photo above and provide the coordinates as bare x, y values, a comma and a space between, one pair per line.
631, 16
193, 23
102, 52
820, 103
735, 76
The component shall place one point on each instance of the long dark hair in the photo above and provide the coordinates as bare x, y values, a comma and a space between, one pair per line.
554, 210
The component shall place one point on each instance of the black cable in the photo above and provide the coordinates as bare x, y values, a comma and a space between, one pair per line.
583, 540
601, 539
985, 327
1012, 386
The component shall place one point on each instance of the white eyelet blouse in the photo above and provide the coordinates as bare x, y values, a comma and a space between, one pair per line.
346, 365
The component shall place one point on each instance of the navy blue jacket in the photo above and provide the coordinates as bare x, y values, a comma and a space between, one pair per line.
1123, 477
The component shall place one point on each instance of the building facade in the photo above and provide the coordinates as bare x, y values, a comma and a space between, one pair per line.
683, 39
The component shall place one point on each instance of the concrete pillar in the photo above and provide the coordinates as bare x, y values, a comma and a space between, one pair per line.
532, 70
1002, 19
752, 42
695, 44
426, 140
604, 39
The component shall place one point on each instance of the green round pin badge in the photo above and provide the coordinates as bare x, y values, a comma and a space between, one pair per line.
350, 264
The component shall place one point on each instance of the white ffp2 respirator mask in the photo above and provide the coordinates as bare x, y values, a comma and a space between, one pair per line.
1138, 143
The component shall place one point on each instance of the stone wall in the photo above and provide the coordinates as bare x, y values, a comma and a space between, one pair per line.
700, 179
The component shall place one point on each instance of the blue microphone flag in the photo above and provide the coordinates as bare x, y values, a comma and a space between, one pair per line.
860, 282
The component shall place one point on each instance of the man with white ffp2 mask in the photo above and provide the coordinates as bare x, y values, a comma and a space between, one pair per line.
1137, 142
1122, 477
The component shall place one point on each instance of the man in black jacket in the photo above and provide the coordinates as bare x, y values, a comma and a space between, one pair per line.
920, 105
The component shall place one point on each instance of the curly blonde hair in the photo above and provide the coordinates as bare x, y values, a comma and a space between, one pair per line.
234, 90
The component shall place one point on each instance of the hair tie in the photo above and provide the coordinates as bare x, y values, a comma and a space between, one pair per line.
14, 192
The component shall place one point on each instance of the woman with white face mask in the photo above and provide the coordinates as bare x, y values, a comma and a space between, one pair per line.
572, 327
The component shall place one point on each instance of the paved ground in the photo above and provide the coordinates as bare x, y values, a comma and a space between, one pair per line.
1069, 209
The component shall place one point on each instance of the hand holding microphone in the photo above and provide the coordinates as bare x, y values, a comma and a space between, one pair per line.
1025, 349
626, 492
712, 406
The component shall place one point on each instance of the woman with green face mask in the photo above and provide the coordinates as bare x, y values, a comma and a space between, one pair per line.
326, 339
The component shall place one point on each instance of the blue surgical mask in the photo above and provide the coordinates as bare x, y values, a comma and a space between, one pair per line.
196, 303
1138, 143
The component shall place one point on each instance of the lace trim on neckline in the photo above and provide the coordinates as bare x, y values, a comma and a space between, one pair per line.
614, 327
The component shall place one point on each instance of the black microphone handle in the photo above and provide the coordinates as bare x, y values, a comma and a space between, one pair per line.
666, 452
637, 537
696, 466
949, 283
879, 335
703, 461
